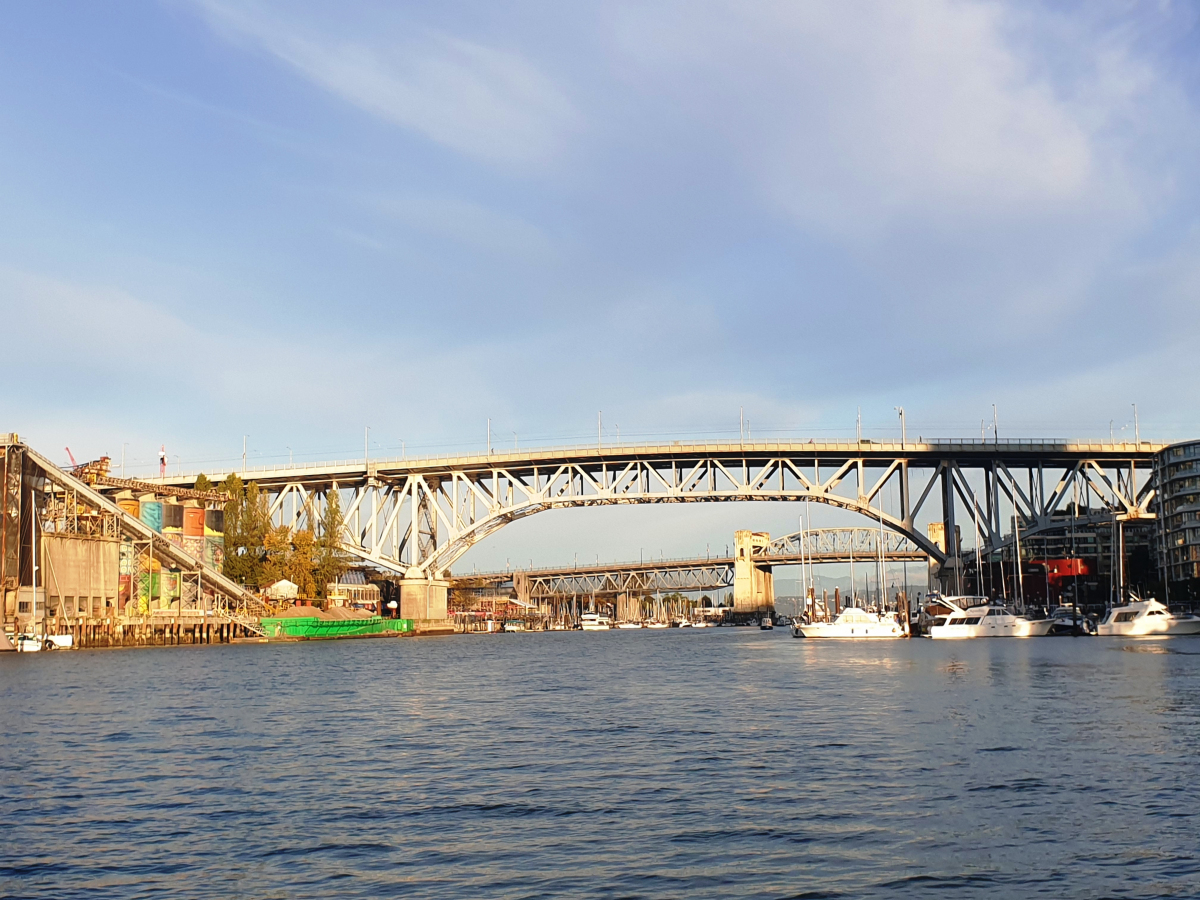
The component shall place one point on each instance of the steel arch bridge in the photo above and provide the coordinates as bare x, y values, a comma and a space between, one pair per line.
419, 516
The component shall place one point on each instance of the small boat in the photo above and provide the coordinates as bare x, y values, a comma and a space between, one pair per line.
624, 625
1069, 620
766, 624
985, 620
684, 623
702, 623
595, 622
514, 625
852, 623
656, 624
1146, 618
29, 643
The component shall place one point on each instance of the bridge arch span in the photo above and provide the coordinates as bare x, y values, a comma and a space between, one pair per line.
419, 516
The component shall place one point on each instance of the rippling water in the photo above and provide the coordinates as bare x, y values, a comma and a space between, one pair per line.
719, 763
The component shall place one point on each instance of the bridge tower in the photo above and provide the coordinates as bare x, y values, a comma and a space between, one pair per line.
753, 581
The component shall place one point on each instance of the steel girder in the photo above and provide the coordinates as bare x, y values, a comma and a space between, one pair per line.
821, 545
419, 516
839, 545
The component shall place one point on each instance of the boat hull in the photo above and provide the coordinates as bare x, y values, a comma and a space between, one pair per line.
1145, 628
831, 630
1023, 628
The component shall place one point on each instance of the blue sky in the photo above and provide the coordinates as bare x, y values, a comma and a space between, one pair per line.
295, 220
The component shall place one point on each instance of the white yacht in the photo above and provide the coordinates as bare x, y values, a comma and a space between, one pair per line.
853, 623
1146, 618
986, 620
767, 623
30, 643
629, 625
514, 625
595, 622
653, 623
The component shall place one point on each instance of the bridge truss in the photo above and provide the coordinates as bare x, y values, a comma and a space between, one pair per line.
821, 545
418, 517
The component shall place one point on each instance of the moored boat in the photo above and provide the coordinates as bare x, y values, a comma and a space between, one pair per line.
595, 622
1146, 618
987, 620
853, 623
1069, 620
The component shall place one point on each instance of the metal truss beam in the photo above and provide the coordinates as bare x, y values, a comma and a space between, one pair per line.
418, 517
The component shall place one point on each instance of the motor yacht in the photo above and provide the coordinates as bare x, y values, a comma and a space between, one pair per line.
595, 622
852, 623
1146, 618
30, 643
1069, 620
987, 620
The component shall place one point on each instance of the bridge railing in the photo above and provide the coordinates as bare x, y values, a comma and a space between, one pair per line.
888, 446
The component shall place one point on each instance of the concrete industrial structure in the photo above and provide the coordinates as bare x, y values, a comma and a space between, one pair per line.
62, 545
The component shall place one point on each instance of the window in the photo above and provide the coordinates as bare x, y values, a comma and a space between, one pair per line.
996, 612
972, 620
1125, 617
23, 606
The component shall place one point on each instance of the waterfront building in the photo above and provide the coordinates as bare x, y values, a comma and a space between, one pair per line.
1178, 470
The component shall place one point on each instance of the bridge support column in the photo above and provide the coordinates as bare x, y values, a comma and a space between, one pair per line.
423, 600
753, 582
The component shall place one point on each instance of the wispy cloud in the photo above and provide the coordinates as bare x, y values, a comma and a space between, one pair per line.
484, 102
466, 223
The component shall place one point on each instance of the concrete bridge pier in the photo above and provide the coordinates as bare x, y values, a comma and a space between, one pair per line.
753, 580
423, 600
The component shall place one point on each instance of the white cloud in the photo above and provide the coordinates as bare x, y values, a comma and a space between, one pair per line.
858, 118
484, 102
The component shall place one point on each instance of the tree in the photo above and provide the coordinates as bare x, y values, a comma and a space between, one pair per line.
247, 524
301, 570
202, 483
331, 560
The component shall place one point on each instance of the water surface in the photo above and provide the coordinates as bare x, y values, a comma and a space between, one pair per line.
719, 763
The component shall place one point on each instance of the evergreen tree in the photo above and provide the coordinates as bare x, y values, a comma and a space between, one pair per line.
302, 564
202, 483
331, 560
247, 524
